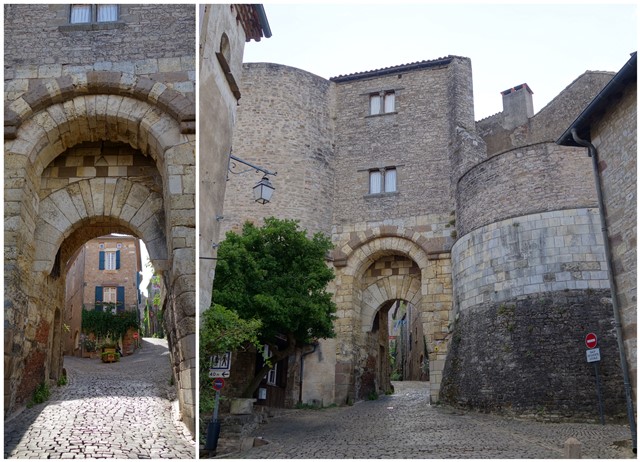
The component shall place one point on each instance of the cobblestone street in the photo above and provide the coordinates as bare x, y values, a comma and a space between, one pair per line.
404, 425
119, 410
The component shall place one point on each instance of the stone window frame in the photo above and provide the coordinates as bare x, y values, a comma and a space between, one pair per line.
383, 95
383, 192
94, 24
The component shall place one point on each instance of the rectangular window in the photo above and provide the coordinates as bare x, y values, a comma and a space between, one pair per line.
382, 180
375, 182
109, 294
107, 13
110, 260
80, 14
92, 13
382, 103
272, 375
390, 180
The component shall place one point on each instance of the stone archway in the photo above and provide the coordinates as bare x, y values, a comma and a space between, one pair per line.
44, 226
363, 291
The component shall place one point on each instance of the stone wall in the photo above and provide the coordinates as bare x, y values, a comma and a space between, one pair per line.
40, 44
617, 151
538, 253
548, 124
526, 180
130, 82
218, 106
532, 355
414, 138
286, 126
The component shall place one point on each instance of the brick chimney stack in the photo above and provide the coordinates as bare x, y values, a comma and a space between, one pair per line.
517, 106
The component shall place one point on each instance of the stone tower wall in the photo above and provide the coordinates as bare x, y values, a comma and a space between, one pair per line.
286, 126
529, 273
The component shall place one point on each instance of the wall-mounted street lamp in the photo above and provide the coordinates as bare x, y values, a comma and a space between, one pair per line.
263, 191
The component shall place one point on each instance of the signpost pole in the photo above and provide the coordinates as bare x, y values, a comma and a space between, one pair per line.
599, 391
213, 429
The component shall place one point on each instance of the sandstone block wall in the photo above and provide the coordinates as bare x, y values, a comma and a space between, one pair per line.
546, 252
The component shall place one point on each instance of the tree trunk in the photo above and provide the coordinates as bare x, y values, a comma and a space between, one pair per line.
277, 356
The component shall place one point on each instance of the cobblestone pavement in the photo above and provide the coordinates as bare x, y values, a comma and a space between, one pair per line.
404, 425
119, 410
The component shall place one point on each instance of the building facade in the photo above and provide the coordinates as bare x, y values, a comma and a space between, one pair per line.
486, 229
105, 274
609, 123
99, 139
224, 30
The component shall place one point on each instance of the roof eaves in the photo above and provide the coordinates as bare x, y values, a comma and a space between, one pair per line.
602, 100
444, 61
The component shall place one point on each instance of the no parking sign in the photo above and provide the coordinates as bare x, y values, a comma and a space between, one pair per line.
218, 383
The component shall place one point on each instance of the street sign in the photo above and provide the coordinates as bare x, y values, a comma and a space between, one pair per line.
591, 340
593, 355
223, 374
218, 383
220, 365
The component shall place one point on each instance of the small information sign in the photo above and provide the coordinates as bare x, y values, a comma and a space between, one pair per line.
220, 365
593, 355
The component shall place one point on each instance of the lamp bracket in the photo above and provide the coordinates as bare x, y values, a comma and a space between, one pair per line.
249, 164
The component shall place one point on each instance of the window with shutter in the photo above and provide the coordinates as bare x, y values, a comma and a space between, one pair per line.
98, 299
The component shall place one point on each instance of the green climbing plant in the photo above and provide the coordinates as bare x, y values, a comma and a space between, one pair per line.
105, 324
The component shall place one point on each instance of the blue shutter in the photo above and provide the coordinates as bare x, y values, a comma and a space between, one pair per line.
120, 299
117, 259
98, 301
101, 262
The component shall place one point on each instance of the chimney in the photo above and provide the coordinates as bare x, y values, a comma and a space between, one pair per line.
517, 106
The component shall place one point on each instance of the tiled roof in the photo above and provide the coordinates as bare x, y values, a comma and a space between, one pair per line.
395, 69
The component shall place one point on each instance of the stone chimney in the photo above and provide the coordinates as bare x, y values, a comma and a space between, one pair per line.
517, 106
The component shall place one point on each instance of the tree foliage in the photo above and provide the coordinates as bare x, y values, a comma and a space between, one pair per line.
223, 330
276, 274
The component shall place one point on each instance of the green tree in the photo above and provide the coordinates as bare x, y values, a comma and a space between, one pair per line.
220, 330
276, 274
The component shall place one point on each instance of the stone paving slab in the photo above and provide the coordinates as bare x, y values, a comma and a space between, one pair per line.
404, 425
119, 410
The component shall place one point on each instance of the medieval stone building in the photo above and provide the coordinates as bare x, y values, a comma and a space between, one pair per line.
99, 138
488, 229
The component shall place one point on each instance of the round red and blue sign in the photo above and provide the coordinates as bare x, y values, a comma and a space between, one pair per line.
218, 383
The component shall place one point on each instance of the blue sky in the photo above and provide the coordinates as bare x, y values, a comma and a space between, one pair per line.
546, 46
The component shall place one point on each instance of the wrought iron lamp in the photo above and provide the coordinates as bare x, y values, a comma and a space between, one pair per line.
262, 191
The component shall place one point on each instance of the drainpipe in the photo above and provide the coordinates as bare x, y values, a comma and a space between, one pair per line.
593, 153
315, 346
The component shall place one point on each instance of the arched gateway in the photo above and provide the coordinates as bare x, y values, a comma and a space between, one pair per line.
372, 274
87, 155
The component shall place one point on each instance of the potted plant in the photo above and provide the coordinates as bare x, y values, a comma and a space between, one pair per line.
110, 356
88, 347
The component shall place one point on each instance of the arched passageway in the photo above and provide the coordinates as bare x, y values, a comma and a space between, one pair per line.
108, 152
376, 277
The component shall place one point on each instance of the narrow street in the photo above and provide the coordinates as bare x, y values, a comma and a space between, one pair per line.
119, 410
404, 425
